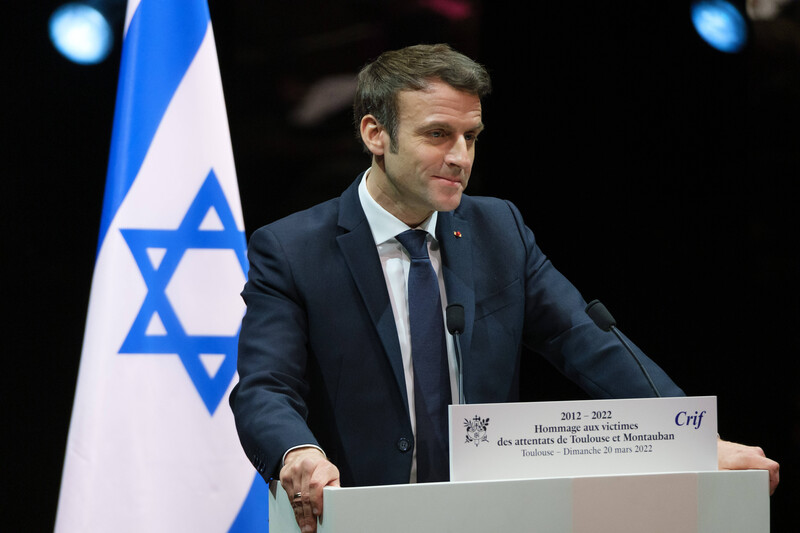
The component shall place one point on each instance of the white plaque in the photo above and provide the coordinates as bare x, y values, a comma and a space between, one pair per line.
582, 438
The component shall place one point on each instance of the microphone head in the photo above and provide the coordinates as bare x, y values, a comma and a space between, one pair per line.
600, 315
455, 319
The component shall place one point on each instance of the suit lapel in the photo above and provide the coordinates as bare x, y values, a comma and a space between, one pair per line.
455, 239
361, 255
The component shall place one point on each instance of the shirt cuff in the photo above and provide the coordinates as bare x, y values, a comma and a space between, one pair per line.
283, 461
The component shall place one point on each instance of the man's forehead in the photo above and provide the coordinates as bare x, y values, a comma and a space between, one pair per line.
440, 103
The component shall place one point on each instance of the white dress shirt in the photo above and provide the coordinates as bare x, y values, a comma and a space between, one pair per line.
396, 263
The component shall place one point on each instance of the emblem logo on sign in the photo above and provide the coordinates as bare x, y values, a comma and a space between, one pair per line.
476, 430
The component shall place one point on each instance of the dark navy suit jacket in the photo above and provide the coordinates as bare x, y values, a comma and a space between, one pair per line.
319, 358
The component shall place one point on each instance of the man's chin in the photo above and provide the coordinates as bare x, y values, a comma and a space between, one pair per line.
450, 203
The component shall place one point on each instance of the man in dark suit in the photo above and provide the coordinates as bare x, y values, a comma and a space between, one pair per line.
328, 391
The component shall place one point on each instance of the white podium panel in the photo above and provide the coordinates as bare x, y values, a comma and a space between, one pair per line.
692, 502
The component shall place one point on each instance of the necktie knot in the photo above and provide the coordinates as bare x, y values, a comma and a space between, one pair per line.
414, 241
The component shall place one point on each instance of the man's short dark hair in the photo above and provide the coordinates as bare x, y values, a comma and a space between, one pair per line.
413, 68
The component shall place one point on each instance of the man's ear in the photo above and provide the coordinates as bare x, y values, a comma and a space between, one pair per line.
373, 135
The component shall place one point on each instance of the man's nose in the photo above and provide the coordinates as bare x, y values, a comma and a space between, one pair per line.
459, 154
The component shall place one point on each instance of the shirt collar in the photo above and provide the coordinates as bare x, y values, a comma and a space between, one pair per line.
384, 225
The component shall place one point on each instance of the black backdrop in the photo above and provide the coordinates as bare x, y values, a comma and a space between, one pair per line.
656, 172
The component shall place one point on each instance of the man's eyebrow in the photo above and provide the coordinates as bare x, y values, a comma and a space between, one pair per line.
448, 127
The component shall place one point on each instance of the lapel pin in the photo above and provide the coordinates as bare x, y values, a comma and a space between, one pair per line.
457, 234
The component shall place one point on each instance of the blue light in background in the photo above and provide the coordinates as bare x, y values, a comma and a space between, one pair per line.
720, 24
81, 33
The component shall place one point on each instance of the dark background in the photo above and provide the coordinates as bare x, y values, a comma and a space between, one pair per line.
657, 173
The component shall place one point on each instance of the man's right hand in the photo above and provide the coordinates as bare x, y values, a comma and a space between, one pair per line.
306, 471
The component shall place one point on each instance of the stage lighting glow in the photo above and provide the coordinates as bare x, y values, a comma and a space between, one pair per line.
81, 33
720, 24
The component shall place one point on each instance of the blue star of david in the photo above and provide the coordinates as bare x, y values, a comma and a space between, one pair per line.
175, 340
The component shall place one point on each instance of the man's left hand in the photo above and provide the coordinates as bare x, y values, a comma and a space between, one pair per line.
732, 456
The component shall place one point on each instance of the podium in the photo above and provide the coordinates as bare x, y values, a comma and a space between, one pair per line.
690, 502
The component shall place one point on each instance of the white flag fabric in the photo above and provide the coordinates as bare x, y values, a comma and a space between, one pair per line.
152, 445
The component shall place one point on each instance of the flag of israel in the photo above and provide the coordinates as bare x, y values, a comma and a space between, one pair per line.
152, 445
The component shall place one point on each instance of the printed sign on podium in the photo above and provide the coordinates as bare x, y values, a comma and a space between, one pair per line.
582, 438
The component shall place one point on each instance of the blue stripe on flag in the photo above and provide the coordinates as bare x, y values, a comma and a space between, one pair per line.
161, 41
253, 514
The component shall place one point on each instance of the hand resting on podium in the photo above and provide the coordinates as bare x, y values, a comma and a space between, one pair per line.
733, 456
306, 471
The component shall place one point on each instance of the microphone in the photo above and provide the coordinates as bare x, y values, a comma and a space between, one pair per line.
603, 319
455, 325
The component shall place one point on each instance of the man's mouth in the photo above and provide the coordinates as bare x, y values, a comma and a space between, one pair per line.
454, 180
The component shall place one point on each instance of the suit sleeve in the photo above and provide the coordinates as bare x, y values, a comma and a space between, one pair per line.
557, 327
268, 402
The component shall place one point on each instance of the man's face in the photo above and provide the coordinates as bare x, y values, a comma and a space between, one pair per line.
434, 150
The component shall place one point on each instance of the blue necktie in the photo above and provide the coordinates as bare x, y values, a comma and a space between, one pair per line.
429, 357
